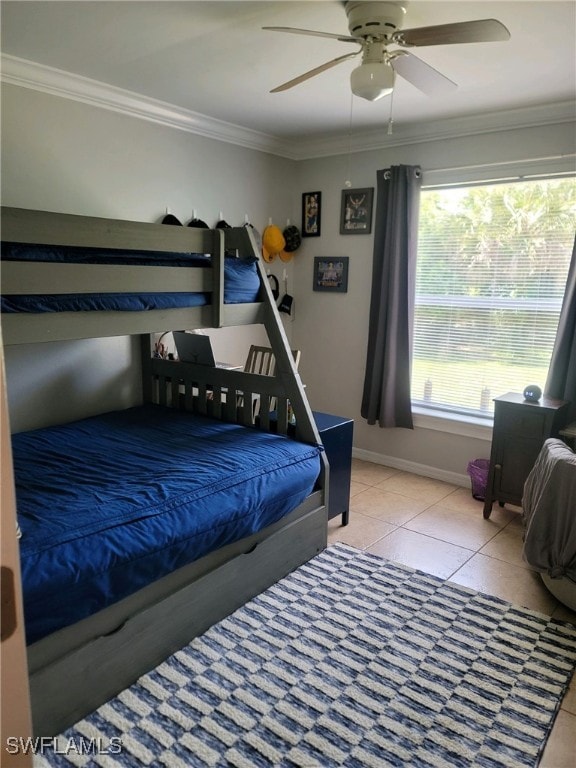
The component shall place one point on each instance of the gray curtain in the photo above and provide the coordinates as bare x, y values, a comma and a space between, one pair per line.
561, 381
386, 396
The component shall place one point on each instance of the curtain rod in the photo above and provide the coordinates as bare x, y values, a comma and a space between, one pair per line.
499, 163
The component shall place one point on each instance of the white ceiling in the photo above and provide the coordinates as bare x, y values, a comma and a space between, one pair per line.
213, 58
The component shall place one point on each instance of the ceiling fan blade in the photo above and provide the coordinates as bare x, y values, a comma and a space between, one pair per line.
422, 75
481, 31
313, 72
295, 31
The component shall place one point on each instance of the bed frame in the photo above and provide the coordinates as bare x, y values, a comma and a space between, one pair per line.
76, 669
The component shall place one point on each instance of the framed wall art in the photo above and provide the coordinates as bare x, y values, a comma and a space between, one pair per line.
331, 274
356, 211
311, 214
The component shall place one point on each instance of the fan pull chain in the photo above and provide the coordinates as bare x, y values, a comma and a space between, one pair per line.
390, 121
348, 182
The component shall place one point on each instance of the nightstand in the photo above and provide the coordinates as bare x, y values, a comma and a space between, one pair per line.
520, 429
336, 434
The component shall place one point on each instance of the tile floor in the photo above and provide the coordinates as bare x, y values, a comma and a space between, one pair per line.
439, 528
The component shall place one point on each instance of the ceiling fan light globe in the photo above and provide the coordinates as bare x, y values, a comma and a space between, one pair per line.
372, 81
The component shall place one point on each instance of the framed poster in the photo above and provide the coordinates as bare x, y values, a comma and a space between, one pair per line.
356, 211
311, 214
331, 274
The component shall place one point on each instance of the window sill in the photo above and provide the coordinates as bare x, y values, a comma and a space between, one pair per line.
467, 426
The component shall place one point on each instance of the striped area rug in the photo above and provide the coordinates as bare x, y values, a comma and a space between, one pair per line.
349, 661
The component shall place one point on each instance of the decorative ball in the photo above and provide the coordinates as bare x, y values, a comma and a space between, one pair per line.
532, 393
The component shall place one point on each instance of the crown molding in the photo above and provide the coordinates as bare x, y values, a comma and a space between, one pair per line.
57, 82
450, 128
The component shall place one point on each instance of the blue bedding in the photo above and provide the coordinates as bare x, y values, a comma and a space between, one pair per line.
241, 281
111, 503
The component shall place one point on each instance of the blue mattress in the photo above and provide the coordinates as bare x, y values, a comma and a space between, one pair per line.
111, 503
241, 281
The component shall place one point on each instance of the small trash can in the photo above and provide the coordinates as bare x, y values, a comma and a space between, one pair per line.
478, 471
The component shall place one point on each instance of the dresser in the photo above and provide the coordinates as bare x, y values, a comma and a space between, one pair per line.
520, 429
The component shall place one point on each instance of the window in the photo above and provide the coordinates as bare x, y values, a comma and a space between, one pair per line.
491, 274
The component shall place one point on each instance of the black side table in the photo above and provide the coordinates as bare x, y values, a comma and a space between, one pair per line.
520, 429
336, 434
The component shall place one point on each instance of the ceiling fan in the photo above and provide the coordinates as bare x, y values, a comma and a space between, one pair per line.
375, 26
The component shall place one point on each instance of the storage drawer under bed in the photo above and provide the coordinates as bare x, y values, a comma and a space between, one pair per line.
66, 688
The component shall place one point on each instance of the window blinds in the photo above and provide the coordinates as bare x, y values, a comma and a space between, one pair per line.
491, 274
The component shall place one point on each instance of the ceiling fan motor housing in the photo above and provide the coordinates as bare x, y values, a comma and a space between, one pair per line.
378, 20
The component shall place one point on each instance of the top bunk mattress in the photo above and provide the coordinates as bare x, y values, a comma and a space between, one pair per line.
111, 503
241, 280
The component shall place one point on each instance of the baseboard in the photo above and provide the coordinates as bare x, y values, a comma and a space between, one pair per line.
454, 478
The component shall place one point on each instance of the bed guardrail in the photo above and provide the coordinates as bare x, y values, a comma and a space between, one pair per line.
57, 229
243, 398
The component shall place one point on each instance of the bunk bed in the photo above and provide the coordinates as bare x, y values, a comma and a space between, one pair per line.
231, 505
